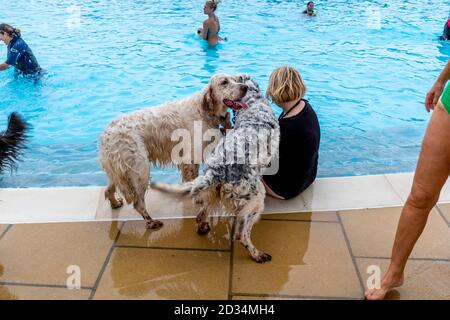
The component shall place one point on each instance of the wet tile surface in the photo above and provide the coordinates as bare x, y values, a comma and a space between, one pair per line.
13, 292
249, 297
308, 259
165, 274
178, 233
158, 204
311, 260
329, 216
371, 234
424, 280
41, 253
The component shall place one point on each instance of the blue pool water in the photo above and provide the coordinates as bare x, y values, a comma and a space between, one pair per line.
367, 81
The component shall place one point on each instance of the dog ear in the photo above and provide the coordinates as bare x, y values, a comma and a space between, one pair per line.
209, 100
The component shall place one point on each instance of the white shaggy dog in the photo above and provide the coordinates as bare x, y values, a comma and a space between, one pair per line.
233, 172
132, 142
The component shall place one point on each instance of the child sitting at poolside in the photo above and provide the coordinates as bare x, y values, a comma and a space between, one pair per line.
299, 135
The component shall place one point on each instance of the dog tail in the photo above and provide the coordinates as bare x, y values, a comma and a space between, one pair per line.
12, 142
192, 187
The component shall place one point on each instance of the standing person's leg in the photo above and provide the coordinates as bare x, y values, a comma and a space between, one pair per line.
432, 171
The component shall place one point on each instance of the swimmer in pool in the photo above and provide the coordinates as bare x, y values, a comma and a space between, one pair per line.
211, 26
310, 9
446, 33
19, 55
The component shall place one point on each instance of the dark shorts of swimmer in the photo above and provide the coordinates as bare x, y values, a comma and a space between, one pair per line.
34, 74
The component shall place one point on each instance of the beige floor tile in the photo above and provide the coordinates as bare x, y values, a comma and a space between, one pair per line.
178, 233
445, 209
274, 298
10, 292
303, 216
329, 194
371, 234
158, 204
41, 253
165, 274
262, 298
402, 182
48, 204
272, 205
3, 228
424, 280
308, 259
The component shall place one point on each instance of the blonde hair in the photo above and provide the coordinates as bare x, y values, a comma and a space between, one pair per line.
285, 84
10, 30
213, 4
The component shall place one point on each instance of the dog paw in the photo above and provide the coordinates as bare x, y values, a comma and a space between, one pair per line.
262, 257
117, 205
203, 228
154, 224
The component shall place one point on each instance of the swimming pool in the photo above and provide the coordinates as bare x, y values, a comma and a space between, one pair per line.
367, 66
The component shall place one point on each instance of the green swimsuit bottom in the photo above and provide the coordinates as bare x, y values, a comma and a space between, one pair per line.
445, 98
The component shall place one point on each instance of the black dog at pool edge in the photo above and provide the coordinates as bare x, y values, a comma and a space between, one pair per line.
12, 142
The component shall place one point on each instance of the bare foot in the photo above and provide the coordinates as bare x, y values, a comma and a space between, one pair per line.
390, 281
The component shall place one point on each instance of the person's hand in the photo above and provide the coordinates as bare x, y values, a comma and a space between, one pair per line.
433, 96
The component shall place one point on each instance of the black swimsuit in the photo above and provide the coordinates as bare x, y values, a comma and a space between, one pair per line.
299, 153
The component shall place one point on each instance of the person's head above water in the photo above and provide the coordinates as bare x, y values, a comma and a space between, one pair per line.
7, 33
285, 85
210, 6
310, 6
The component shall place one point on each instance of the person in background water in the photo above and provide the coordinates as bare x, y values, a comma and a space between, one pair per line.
310, 9
211, 26
446, 33
299, 136
19, 55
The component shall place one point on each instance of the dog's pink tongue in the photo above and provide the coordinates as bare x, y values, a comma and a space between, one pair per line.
235, 105
240, 105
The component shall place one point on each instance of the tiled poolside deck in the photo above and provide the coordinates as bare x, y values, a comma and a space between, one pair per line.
316, 254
